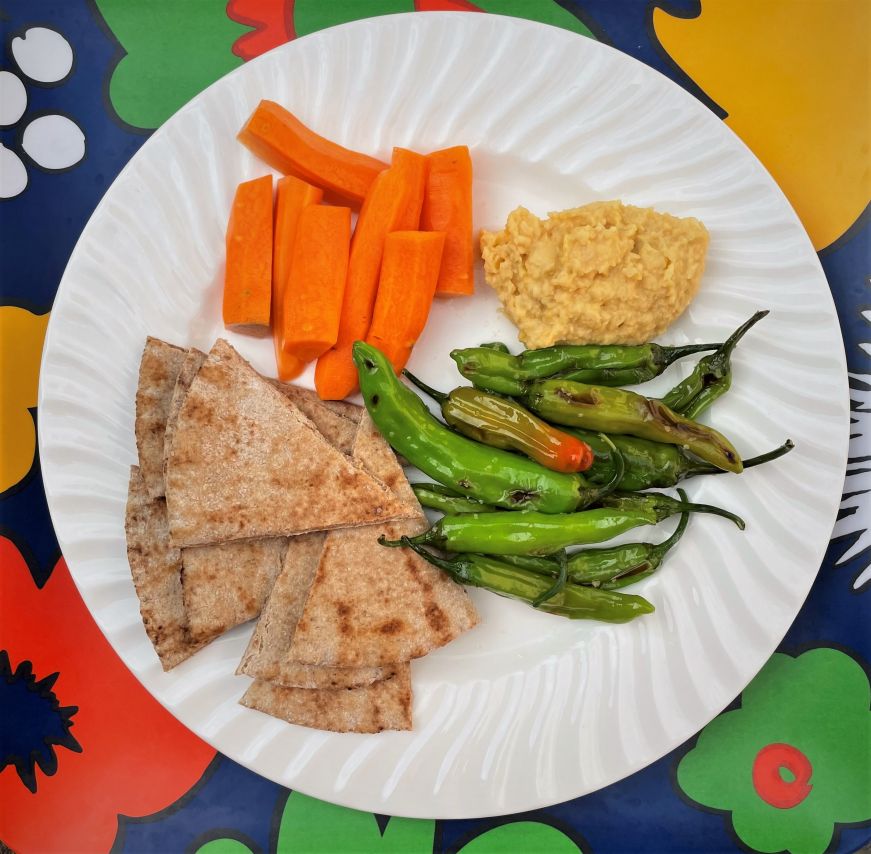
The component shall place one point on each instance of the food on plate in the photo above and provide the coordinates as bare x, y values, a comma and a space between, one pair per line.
226, 584
316, 283
338, 430
604, 273
447, 207
324, 291
611, 567
490, 475
536, 533
502, 423
158, 369
711, 378
267, 658
616, 365
156, 567
357, 617
653, 465
406, 286
368, 709
617, 410
245, 463
165, 428
393, 203
291, 196
248, 277
438, 497
334, 589
280, 139
571, 600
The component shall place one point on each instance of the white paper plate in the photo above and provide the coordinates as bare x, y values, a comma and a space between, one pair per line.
527, 709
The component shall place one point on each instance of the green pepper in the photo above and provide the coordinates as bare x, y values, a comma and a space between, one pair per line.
438, 497
711, 378
611, 365
490, 475
571, 601
503, 423
532, 533
615, 410
607, 566
653, 465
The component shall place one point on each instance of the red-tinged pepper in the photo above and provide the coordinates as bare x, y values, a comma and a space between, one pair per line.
502, 423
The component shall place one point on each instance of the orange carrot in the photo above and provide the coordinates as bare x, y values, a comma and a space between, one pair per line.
286, 144
447, 207
291, 197
316, 285
392, 204
409, 273
248, 276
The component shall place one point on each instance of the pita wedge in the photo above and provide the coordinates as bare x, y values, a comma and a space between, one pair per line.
158, 371
338, 430
371, 606
266, 657
373, 708
246, 463
225, 585
156, 569
190, 365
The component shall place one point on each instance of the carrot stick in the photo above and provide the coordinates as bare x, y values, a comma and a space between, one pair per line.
285, 143
316, 285
409, 274
392, 204
447, 207
291, 197
248, 276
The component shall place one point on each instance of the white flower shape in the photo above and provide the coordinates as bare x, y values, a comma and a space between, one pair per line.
52, 142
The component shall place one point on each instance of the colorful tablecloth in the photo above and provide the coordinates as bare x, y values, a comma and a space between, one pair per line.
90, 762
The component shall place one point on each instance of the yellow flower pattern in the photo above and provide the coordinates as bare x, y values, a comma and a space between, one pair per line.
21, 337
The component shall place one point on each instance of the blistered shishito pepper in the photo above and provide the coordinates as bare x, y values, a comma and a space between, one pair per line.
489, 475
623, 412
610, 365
534, 533
572, 600
711, 378
503, 423
611, 566
653, 465
438, 497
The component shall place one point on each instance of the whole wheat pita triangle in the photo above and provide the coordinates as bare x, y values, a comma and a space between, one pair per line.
370, 606
245, 463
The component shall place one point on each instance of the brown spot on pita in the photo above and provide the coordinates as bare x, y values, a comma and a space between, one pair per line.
391, 627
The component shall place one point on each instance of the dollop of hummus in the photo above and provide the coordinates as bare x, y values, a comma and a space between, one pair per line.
604, 273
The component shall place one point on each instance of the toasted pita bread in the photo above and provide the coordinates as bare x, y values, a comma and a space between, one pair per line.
192, 362
225, 585
371, 606
266, 656
156, 569
373, 708
246, 463
338, 430
158, 370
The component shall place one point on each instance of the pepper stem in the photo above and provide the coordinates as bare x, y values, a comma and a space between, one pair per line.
672, 354
661, 548
738, 334
440, 562
437, 396
689, 507
782, 450
619, 471
559, 584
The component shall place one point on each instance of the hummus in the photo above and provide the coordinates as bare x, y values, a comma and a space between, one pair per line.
605, 273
